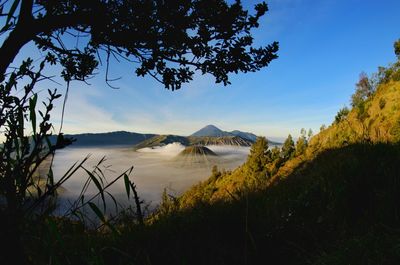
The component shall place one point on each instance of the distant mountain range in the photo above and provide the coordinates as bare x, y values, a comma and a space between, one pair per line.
209, 135
106, 139
213, 131
161, 140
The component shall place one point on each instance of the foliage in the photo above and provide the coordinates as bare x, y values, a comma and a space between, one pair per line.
168, 40
20, 154
301, 144
310, 133
215, 173
288, 148
390, 73
364, 89
342, 114
397, 48
258, 158
382, 103
362, 111
26, 196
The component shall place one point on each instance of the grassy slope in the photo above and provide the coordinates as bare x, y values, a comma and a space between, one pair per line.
382, 125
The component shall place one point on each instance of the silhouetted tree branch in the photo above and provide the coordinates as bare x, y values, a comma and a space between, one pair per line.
170, 40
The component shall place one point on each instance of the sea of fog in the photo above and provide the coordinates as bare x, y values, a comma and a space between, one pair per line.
154, 169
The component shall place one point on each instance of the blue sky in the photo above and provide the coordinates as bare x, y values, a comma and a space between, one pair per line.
324, 45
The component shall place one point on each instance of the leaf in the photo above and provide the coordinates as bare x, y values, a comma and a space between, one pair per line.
114, 200
50, 177
79, 215
49, 145
54, 230
20, 129
12, 11
97, 211
39, 192
98, 185
127, 186
32, 115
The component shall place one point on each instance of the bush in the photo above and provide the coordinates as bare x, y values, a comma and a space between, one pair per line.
362, 111
382, 103
342, 114
364, 89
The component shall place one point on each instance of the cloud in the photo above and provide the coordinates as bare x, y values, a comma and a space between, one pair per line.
167, 150
81, 115
152, 172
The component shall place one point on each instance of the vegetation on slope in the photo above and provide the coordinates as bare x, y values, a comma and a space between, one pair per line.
374, 118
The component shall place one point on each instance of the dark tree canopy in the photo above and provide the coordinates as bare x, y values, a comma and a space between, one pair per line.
169, 40
397, 48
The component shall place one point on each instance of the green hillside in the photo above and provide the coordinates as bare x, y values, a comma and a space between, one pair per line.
378, 121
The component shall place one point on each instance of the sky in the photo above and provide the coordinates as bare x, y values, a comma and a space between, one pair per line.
324, 46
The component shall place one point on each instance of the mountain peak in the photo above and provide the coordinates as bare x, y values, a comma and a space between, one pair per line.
211, 126
211, 130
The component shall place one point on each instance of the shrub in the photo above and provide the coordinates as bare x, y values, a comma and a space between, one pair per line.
342, 114
382, 103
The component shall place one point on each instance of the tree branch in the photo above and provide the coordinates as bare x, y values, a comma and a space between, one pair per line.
25, 15
24, 33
